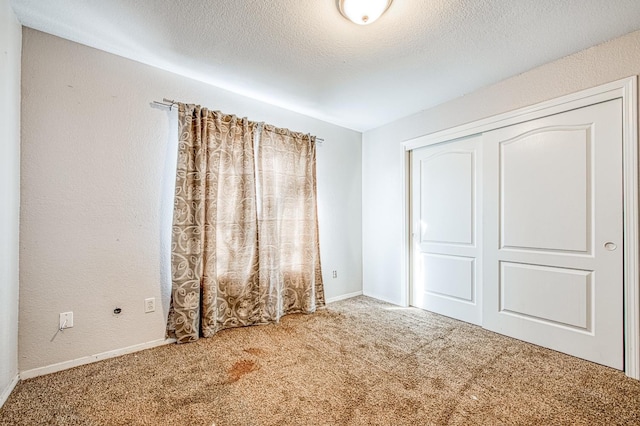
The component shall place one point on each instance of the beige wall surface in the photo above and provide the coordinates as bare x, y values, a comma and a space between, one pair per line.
98, 167
382, 153
10, 47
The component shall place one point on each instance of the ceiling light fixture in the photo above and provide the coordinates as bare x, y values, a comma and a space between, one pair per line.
363, 12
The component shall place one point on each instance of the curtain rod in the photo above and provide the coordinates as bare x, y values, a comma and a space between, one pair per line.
170, 103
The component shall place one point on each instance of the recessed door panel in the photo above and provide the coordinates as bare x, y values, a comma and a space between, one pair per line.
447, 209
556, 296
449, 276
546, 199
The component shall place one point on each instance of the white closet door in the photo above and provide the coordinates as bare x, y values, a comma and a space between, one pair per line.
553, 232
446, 196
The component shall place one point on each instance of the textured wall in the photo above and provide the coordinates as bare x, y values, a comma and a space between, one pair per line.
381, 152
10, 44
97, 167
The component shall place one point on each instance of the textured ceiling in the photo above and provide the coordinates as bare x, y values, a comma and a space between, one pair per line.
304, 56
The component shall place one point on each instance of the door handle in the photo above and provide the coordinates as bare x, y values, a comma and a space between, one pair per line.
610, 246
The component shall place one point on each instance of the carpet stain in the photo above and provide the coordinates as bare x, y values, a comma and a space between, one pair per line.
241, 368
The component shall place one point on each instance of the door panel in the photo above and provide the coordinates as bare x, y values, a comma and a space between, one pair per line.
553, 232
534, 217
446, 201
555, 295
447, 269
450, 276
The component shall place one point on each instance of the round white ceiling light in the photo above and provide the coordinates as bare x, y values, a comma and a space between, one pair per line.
363, 12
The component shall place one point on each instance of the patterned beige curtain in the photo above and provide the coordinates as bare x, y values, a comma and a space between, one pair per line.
288, 224
245, 232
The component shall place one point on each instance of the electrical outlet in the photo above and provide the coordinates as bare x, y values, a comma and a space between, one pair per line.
335, 274
66, 320
149, 304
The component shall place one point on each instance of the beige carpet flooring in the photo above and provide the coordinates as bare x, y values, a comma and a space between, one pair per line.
357, 362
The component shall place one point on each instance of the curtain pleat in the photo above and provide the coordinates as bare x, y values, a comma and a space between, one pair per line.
245, 246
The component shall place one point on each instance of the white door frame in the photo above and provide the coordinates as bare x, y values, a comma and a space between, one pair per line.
625, 89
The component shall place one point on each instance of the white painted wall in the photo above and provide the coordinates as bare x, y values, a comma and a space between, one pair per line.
98, 173
381, 151
10, 48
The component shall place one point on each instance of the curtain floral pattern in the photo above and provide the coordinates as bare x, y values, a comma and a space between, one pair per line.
245, 246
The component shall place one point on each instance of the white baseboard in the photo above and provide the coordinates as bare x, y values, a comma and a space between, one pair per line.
344, 296
7, 391
53, 368
383, 299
